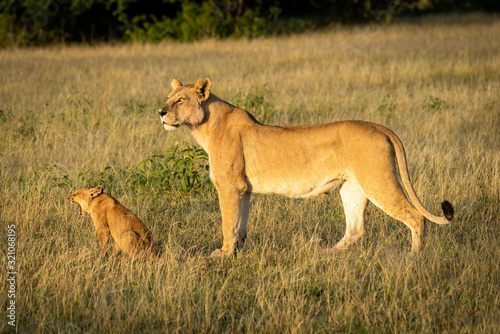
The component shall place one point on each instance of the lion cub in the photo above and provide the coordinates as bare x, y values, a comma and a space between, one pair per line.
112, 218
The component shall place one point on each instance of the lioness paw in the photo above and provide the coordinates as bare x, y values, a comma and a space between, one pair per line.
221, 253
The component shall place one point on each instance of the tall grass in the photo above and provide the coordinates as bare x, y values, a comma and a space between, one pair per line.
76, 116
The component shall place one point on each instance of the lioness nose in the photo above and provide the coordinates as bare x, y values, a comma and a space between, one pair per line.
162, 112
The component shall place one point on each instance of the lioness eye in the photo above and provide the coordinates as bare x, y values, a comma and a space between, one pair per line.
182, 99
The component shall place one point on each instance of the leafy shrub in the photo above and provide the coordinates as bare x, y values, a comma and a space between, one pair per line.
183, 168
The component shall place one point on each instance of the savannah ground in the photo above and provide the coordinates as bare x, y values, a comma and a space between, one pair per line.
81, 116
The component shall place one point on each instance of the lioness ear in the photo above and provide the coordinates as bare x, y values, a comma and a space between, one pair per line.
96, 191
202, 87
175, 84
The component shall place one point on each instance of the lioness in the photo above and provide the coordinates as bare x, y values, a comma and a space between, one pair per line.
363, 159
112, 218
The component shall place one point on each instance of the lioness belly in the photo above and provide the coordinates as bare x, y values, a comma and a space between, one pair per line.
294, 188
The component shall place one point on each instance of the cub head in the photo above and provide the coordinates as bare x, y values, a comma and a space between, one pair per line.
185, 104
84, 196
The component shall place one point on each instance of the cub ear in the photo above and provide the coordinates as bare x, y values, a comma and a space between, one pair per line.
175, 84
202, 87
96, 191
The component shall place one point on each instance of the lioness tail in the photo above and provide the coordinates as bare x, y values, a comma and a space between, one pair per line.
446, 206
448, 210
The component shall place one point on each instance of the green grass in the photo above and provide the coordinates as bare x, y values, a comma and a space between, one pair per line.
78, 116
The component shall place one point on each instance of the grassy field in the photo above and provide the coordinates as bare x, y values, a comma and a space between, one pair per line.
80, 116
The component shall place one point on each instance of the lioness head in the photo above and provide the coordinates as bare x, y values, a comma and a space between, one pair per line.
84, 196
185, 104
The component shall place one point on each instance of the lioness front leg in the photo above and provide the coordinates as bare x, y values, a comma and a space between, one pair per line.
235, 206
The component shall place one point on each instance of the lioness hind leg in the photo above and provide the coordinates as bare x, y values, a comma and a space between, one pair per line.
416, 222
354, 201
393, 201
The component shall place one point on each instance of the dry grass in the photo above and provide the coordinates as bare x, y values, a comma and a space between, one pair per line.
70, 112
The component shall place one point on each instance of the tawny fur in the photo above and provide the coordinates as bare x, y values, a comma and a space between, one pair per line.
364, 159
111, 219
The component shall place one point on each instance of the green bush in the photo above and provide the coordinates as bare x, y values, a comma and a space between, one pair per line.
196, 20
183, 168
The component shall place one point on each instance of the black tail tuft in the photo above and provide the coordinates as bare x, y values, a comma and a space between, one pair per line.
447, 210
